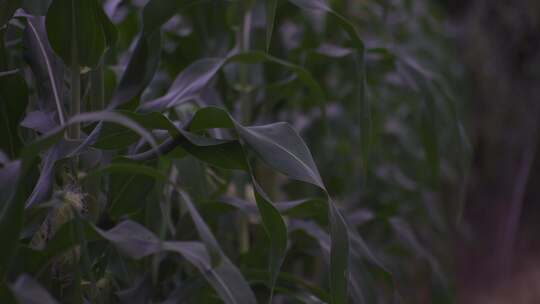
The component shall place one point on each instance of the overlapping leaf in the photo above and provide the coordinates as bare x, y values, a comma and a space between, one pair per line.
79, 29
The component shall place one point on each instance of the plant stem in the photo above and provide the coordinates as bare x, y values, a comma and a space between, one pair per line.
75, 129
245, 111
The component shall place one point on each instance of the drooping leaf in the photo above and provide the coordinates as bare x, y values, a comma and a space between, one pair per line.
283, 149
144, 61
137, 242
204, 231
140, 69
196, 76
187, 84
225, 154
105, 116
240, 291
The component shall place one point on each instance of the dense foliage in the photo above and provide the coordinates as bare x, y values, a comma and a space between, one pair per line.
157, 151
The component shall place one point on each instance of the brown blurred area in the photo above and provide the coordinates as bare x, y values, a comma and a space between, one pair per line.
498, 247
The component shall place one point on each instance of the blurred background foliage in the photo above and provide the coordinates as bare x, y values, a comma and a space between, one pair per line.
385, 129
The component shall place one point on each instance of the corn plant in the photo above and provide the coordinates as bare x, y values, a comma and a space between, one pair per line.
151, 151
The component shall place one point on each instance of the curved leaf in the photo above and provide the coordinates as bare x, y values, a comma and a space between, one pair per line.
283, 149
137, 242
196, 76
144, 61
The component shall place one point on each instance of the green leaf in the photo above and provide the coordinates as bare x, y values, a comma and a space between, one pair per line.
210, 118
241, 292
313, 208
137, 242
105, 116
128, 190
46, 66
197, 75
187, 84
140, 69
273, 222
11, 214
360, 61
280, 146
129, 184
339, 256
144, 61
303, 74
428, 114
203, 230
271, 7
283, 149
13, 102
226, 154
276, 230
114, 136
79, 25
